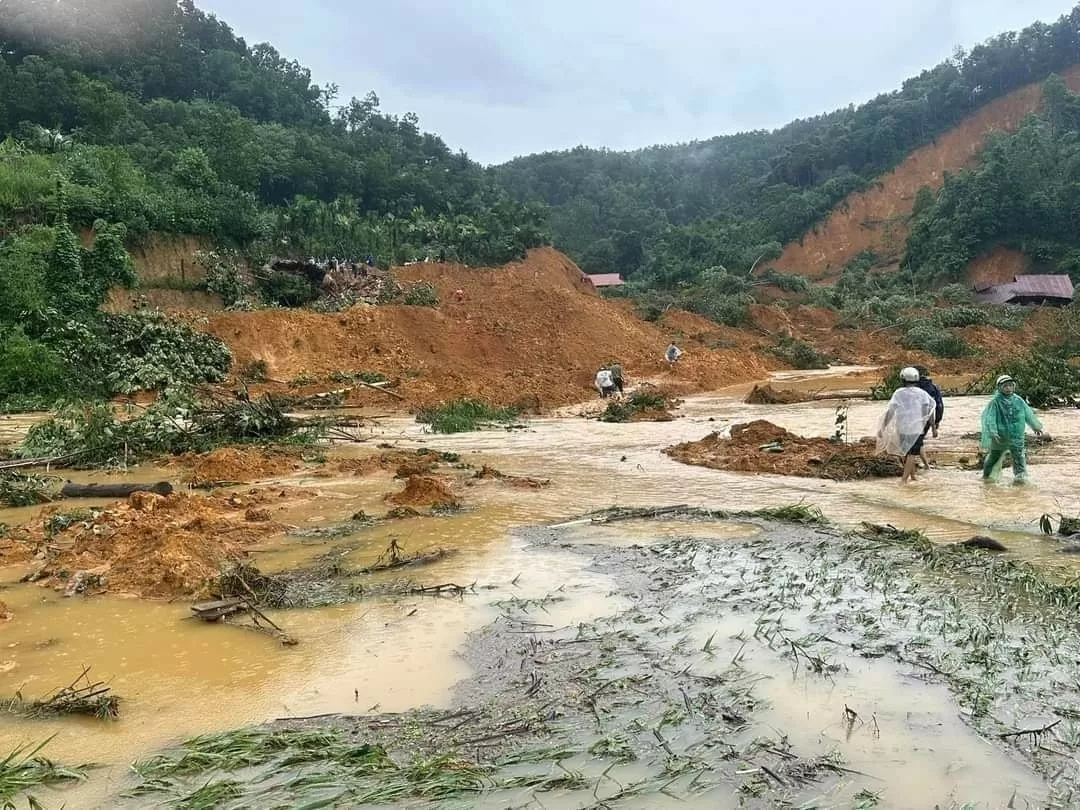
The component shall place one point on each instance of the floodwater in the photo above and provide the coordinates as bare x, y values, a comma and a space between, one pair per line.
178, 677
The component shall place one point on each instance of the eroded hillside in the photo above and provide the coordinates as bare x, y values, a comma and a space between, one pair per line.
876, 219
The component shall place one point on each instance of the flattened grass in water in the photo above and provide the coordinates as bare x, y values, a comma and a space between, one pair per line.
23, 770
463, 415
261, 767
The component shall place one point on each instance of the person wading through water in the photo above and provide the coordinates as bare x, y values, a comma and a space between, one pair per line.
1004, 423
927, 385
904, 423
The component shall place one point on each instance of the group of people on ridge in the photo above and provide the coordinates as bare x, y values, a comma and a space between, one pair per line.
916, 408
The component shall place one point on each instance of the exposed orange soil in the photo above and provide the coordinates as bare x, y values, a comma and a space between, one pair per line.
5, 614
157, 546
998, 266
799, 456
767, 395
876, 219
486, 473
239, 465
424, 490
402, 462
533, 331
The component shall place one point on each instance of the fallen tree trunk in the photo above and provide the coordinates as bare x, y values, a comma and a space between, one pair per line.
72, 490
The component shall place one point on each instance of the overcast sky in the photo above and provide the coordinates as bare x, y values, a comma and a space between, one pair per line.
500, 78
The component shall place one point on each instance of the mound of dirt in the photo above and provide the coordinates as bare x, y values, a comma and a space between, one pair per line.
532, 332
5, 614
425, 490
403, 463
767, 395
486, 473
239, 465
763, 447
155, 546
14, 550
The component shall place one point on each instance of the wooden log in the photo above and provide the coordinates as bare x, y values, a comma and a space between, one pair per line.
212, 611
72, 490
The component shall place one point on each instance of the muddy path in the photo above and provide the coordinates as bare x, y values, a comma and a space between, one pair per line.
180, 678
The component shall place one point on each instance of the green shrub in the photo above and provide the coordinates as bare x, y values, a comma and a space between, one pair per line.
935, 340
463, 414
1045, 378
641, 400
799, 354
421, 294
31, 369
956, 294
287, 289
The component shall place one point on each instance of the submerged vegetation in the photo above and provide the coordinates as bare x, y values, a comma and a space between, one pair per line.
464, 414
93, 435
24, 770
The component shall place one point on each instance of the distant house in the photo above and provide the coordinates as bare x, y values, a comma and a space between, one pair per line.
606, 280
1056, 290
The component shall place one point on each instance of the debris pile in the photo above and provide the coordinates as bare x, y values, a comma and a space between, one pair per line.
425, 490
238, 465
81, 697
767, 395
486, 473
153, 546
403, 463
763, 447
647, 404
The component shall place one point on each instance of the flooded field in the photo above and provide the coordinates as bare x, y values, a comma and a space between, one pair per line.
178, 677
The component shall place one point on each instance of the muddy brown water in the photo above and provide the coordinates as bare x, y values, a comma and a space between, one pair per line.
179, 678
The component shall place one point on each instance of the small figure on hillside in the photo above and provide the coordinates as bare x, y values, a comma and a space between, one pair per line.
927, 385
617, 376
370, 261
672, 354
904, 424
604, 383
459, 295
1004, 423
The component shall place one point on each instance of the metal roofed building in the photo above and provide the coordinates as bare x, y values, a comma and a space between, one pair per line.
1056, 290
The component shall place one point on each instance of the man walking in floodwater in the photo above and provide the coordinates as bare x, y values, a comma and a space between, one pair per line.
927, 385
1004, 423
903, 426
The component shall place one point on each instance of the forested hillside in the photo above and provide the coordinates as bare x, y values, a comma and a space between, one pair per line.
663, 215
157, 116
124, 120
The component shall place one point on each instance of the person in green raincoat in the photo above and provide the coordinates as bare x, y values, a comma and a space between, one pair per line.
1004, 422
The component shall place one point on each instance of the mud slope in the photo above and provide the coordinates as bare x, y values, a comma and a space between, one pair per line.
533, 331
875, 219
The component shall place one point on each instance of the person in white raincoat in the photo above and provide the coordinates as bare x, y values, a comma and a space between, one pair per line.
904, 424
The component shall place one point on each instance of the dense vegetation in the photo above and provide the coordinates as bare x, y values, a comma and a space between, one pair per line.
157, 116
663, 215
1024, 192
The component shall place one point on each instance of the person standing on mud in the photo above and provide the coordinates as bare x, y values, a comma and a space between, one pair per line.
903, 425
1004, 423
927, 385
604, 383
672, 354
617, 376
